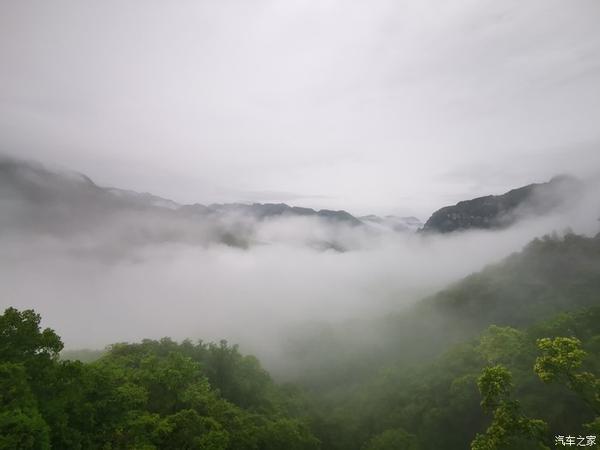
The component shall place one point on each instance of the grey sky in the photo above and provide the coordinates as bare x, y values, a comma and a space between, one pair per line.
371, 106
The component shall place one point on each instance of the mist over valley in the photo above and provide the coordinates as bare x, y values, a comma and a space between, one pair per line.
132, 266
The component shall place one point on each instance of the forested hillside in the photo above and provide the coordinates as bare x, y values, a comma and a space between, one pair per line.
507, 358
550, 275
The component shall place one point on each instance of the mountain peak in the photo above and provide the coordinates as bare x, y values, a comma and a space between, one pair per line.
498, 211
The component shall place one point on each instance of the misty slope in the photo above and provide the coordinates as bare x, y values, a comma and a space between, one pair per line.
414, 374
549, 276
33, 183
34, 198
497, 211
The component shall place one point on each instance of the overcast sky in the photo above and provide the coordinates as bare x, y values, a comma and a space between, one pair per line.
371, 106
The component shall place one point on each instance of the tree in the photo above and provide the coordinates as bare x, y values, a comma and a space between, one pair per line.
393, 439
562, 360
188, 430
21, 425
29, 356
22, 341
510, 429
501, 345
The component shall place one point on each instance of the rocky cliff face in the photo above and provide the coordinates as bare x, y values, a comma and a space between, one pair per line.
497, 211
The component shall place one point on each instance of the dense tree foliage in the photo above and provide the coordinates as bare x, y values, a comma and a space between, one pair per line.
509, 427
486, 386
156, 394
504, 360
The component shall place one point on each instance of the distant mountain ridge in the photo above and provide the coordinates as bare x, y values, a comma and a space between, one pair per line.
498, 211
57, 194
266, 210
44, 196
